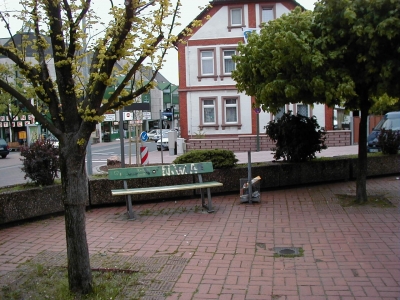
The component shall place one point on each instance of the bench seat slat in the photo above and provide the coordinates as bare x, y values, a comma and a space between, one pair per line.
158, 189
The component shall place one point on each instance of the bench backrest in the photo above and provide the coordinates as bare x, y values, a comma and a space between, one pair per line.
160, 170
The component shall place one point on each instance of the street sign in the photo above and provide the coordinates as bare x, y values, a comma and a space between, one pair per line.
128, 116
109, 117
146, 115
143, 136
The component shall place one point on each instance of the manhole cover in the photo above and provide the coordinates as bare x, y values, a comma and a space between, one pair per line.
287, 251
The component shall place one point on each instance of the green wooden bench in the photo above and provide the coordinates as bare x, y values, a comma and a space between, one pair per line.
166, 170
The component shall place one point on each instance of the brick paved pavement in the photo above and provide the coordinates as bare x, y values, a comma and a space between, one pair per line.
349, 253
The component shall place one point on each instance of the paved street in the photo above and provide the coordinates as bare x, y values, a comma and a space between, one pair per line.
349, 253
100, 152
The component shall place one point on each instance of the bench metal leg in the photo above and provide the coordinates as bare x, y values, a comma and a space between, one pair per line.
210, 208
131, 214
203, 204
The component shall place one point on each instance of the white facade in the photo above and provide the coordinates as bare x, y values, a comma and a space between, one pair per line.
207, 87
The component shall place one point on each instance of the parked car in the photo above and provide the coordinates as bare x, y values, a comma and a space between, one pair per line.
4, 149
152, 133
157, 136
164, 142
390, 121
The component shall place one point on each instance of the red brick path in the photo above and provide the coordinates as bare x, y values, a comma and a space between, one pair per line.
351, 253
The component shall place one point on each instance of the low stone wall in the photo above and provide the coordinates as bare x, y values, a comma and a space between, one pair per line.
242, 143
26, 204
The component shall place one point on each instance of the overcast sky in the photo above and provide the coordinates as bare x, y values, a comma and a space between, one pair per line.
189, 10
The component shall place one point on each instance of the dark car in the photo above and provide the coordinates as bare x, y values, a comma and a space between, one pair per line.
390, 121
4, 149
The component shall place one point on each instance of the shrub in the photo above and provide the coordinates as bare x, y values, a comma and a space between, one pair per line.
40, 162
389, 141
220, 158
297, 138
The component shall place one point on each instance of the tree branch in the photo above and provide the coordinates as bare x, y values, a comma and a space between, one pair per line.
27, 103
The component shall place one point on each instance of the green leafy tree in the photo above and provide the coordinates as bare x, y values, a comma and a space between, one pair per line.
139, 32
344, 53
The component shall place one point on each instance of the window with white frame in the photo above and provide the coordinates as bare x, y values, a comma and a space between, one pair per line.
208, 111
228, 63
207, 62
235, 17
302, 109
236, 14
231, 110
267, 14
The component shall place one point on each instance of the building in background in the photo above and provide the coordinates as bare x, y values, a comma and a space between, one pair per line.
210, 105
165, 95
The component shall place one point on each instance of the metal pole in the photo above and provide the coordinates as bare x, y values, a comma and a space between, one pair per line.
162, 158
121, 136
131, 214
258, 132
249, 175
172, 107
137, 144
130, 143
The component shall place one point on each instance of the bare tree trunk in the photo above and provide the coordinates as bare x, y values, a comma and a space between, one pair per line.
361, 176
75, 196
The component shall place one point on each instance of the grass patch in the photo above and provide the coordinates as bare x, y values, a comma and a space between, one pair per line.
18, 187
36, 281
372, 200
24, 186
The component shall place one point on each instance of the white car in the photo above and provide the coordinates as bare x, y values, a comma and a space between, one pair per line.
157, 136
152, 133
164, 142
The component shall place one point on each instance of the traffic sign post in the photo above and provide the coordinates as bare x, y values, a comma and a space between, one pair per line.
143, 136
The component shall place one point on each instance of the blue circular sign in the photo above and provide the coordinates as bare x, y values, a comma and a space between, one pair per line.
143, 136
257, 110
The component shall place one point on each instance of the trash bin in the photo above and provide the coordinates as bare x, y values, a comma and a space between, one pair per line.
106, 137
255, 190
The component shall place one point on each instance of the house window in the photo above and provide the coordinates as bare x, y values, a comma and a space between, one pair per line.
302, 109
209, 111
229, 64
267, 14
206, 63
236, 17
231, 109
280, 113
226, 62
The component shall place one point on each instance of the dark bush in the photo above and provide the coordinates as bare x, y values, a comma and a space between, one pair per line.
40, 162
220, 158
389, 141
297, 137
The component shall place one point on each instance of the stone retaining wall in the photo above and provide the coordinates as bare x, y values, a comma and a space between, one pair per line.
242, 143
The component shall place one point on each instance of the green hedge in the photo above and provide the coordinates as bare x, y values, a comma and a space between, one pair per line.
221, 159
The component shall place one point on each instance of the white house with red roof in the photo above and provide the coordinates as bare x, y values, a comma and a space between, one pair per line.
209, 102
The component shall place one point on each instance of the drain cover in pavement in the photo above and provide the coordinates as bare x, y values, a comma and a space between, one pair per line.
282, 251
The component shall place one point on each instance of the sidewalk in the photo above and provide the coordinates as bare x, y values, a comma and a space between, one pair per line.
186, 253
261, 156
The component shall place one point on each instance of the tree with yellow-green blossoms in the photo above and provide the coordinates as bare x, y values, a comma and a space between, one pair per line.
139, 32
